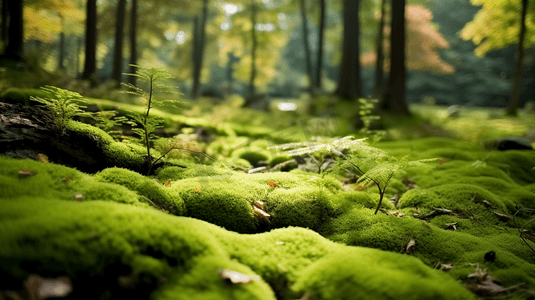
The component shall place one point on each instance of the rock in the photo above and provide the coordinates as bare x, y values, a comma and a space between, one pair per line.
507, 143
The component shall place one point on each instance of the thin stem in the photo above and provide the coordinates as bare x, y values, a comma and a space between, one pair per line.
149, 158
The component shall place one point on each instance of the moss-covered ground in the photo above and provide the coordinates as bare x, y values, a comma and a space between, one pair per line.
452, 231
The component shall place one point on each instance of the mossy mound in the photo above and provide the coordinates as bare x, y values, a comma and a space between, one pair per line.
112, 251
227, 200
159, 195
46, 180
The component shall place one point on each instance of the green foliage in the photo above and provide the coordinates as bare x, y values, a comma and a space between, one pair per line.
107, 120
144, 125
497, 25
63, 105
374, 165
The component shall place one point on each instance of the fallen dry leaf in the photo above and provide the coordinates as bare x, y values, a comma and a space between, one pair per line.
260, 204
25, 173
234, 277
272, 184
167, 183
79, 197
410, 246
452, 225
445, 267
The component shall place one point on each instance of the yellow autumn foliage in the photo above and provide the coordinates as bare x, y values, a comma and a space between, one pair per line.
497, 25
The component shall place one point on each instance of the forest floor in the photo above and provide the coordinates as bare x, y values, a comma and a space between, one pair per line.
246, 227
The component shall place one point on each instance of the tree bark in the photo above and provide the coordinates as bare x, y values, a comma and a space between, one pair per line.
319, 64
306, 45
15, 42
5, 20
512, 110
349, 83
117, 71
90, 63
61, 57
133, 42
395, 99
198, 54
252, 91
378, 89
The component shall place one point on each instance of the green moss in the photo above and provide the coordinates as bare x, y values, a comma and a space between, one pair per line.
163, 197
303, 207
398, 277
57, 182
22, 96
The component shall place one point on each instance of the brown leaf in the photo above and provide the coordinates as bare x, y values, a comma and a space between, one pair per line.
234, 277
444, 160
167, 183
79, 197
44, 288
273, 184
42, 158
25, 173
260, 204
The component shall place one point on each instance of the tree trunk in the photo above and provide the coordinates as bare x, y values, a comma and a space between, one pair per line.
395, 98
133, 42
306, 44
512, 110
90, 64
61, 57
319, 64
15, 41
252, 91
117, 72
5, 22
200, 31
349, 83
378, 90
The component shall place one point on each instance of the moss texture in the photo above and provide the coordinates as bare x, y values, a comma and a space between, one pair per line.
317, 240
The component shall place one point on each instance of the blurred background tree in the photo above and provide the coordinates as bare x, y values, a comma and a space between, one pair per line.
452, 54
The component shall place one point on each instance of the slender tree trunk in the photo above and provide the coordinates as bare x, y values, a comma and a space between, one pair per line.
200, 31
133, 42
117, 72
306, 44
378, 90
395, 98
517, 77
349, 83
252, 91
5, 21
90, 63
14, 49
61, 58
319, 64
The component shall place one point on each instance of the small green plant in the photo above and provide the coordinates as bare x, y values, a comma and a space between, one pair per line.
144, 125
374, 165
63, 105
107, 120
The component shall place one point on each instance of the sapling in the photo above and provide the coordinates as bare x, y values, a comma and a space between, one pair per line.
144, 125
63, 105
